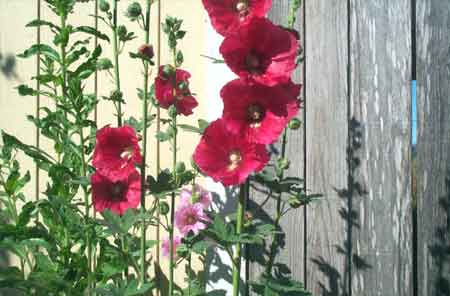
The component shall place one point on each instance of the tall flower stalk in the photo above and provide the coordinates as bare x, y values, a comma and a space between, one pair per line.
116, 53
144, 144
237, 252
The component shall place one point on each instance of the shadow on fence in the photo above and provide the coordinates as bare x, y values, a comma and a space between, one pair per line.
8, 66
440, 250
340, 284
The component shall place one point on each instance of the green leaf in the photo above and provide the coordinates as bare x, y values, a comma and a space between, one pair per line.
43, 49
39, 23
26, 213
92, 31
25, 90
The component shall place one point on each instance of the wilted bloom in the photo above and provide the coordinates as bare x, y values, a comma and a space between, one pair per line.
201, 195
172, 88
261, 52
190, 217
116, 196
259, 112
227, 157
116, 152
166, 246
227, 15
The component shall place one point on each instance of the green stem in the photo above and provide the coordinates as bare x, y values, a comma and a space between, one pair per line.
237, 251
116, 62
172, 208
189, 274
144, 149
274, 244
86, 210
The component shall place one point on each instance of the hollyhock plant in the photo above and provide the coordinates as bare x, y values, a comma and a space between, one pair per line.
259, 112
116, 152
166, 246
116, 196
262, 52
172, 88
226, 157
228, 15
191, 217
202, 196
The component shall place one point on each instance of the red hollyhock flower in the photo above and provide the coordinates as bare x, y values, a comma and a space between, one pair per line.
262, 52
228, 15
116, 152
170, 93
116, 196
259, 112
226, 157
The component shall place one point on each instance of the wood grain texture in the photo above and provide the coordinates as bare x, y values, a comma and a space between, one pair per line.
326, 136
380, 51
293, 223
433, 146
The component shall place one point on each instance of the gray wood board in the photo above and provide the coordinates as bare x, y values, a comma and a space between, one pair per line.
433, 146
380, 51
326, 140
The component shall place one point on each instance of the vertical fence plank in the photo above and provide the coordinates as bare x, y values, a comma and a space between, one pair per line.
380, 50
433, 147
326, 136
292, 255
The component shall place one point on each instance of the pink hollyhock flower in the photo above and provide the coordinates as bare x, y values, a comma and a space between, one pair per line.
227, 157
190, 217
116, 152
259, 112
166, 246
202, 195
261, 52
170, 90
228, 15
116, 196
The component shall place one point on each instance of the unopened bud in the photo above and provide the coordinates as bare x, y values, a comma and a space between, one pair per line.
180, 167
163, 207
134, 10
104, 6
248, 218
172, 111
294, 202
294, 124
283, 163
147, 51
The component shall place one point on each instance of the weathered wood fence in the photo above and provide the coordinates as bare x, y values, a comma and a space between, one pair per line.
382, 227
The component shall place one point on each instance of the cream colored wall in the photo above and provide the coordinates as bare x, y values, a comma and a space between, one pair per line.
14, 38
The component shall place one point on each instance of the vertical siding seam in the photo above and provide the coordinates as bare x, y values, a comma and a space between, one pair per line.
349, 154
413, 98
305, 209
38, 99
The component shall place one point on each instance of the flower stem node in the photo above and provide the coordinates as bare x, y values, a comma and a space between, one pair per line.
172, 111
104, 6
163, 208
295, 124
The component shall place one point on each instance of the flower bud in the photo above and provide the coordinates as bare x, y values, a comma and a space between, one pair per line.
134, 10
167, 71
294, 124
180, 167
104, 6
147, 51
183, 85
163, 207
116, 96
294, 202
121, 31
248, 218
283, 163
104, 64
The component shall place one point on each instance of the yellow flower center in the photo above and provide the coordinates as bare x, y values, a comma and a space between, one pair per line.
234, 160
255, 115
